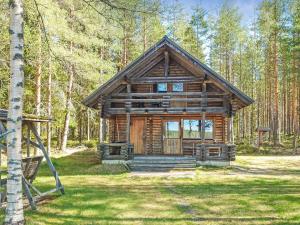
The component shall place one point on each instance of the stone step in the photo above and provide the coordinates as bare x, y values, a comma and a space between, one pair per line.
165, 165
159, 169
164, 162
164, 158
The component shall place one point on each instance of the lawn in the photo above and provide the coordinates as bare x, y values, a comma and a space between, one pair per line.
254, 190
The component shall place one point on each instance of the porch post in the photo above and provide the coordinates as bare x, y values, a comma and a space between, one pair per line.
128, 128
101, 123
203, 105
232, 131
230, 137
128, 108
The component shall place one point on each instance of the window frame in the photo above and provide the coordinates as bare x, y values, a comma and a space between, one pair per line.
172, 86
157, 87
166, 129
191, 138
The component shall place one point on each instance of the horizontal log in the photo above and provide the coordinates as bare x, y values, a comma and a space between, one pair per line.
167, 110
146, 100
192, 94
153, 80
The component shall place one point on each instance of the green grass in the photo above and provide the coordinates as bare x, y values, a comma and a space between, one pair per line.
254, 190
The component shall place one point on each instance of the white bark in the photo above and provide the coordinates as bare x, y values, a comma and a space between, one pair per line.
14, 209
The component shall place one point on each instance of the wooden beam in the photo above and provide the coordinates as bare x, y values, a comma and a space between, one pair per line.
193, 94
204, 105
147, 100
170, 110
128, 115
203, 127
167, 62
145, 69
154, 80
48, 160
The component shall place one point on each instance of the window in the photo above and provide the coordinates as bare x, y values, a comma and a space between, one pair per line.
172, 129
177, 87
162, 87
192, 129
209, 125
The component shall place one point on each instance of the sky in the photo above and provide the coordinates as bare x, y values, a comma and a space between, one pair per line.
246, 7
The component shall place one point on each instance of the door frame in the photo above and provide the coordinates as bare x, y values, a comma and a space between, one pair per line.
163, 134
143, 136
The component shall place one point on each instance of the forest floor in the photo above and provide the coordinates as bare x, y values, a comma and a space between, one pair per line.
254, 190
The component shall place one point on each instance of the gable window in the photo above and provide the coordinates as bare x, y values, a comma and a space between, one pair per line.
162, 87
177, 87
192, 129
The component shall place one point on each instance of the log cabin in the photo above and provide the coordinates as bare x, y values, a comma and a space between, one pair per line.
168, 104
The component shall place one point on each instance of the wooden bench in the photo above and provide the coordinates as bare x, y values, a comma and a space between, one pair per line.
30, 168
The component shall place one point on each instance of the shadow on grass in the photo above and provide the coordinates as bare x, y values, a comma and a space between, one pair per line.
139, 202
267, 171
126, 200
81, 163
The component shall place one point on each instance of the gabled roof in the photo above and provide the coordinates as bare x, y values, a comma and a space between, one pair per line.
165, 42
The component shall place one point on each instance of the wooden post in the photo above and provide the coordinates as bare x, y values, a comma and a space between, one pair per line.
203, 127
128, 108
41, 146
28, 142
166, 69
232, 131
88, 124
100, 128
203, 105
230, 138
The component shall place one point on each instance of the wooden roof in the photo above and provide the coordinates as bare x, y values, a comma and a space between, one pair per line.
25, 117
149, 56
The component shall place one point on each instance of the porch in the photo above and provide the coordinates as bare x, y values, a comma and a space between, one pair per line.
203, 152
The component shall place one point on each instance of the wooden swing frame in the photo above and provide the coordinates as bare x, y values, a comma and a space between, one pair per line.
29, 170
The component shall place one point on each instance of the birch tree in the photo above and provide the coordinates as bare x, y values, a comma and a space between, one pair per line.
14, 209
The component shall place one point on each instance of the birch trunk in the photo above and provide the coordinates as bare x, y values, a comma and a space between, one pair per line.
14, 209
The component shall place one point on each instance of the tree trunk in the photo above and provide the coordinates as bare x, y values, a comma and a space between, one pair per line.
65, 131
276, 133
67, 110
14, 209
49, 107
38, 82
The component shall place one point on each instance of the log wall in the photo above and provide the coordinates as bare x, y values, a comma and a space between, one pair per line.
153, 142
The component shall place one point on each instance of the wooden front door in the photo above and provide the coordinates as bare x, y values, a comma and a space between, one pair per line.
172, 137
137, 135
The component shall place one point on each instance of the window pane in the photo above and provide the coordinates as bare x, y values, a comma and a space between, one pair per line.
172, 129
178, 87
162, 87
209, 125
191, 129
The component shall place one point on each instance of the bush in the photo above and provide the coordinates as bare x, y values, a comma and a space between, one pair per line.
90, 143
